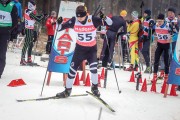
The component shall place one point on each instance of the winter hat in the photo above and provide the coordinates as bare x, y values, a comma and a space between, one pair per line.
123, 13
148, 12
172, 9
135, 14
161, 16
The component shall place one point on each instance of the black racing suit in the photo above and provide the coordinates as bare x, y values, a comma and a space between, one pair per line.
118, 22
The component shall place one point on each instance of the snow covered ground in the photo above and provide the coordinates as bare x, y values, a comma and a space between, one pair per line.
129, 105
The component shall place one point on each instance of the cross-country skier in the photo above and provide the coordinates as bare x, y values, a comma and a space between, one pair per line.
133, 29
8, 21
162, 30
118, 22
148, 23
86, 47
30, 20
173, 21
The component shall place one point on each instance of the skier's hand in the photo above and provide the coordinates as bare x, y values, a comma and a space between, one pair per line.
59, 20
102, 16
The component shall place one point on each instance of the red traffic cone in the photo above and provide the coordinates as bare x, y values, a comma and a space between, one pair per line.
132, 79
144, 86
76, 82
153, 87
87, 80
82, 76
16, 82
102, 74
173, 91
21, 82
163, 87
13, 83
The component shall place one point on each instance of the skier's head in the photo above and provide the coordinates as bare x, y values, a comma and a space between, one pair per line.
123, 13
53, 14
160, 19
81, 13
4, 2
135, 14
171, 13
147, 12
32, 5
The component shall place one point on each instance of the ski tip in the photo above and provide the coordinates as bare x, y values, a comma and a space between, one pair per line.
19, 100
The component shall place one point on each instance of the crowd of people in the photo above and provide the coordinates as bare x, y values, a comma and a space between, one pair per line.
140, 29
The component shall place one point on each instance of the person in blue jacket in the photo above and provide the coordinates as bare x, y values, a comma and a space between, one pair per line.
19, 8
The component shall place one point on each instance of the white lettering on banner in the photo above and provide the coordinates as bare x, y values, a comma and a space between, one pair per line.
84, 28
2, 17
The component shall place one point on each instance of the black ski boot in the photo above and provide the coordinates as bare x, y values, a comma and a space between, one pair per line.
94, 90
66, 93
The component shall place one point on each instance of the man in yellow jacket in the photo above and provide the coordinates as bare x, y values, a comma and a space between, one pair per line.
133, 29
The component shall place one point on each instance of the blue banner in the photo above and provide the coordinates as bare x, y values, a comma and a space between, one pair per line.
64, 41
174, 74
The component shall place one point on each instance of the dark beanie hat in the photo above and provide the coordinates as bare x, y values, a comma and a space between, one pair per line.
172, 10
148, 12
161, 16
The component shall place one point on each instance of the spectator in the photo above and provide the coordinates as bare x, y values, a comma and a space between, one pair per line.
7, 24
19, 8
133, 29
148, 23
51, 27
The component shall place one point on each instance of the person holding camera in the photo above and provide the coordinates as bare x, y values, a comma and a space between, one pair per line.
84, 26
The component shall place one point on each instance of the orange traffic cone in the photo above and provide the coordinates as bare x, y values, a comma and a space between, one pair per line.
144, 86
163, 87
102, 74
87, 80
132, 79
76, 82
173, 91
153, 87
82, 76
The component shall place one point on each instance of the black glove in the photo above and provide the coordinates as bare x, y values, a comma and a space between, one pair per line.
151, 24
59, 20
102, 16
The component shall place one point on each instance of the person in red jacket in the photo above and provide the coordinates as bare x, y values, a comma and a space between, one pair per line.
51, 27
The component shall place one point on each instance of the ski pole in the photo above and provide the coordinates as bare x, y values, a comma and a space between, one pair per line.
113, 66
150, 54
112, 60
49, 60
119, 53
